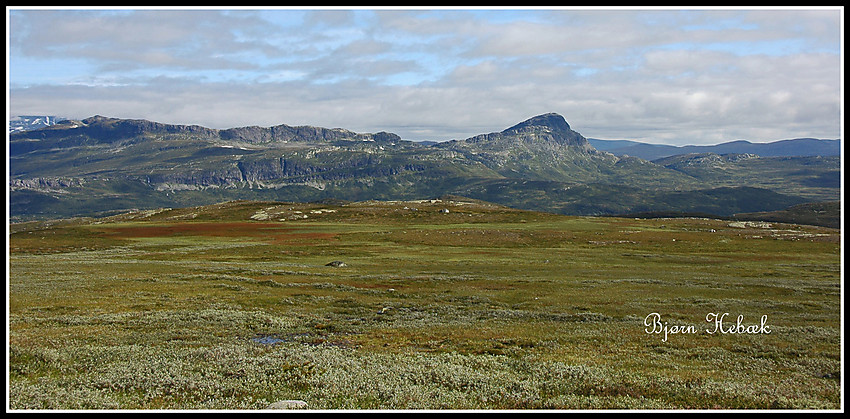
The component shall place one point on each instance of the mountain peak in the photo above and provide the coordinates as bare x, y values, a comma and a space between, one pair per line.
549, 120
546, 133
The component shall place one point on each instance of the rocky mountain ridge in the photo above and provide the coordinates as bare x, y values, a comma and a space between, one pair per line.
108, 164
106, 130
780, 148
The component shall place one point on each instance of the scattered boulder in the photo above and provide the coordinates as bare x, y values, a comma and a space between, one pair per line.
337, 264
287, 404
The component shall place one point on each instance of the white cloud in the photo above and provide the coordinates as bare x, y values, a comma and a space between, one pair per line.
655, 75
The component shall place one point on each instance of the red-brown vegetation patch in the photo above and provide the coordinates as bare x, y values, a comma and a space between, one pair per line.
234, 229
267, 231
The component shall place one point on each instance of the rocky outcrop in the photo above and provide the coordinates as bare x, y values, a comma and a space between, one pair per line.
44, 184
267, 172
287, 405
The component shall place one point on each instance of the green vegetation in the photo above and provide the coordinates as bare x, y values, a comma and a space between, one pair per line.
234, 306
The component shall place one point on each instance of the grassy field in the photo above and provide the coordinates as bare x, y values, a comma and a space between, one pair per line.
234, 306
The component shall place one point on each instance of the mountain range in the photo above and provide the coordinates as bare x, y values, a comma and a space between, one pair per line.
100, 165
782, 148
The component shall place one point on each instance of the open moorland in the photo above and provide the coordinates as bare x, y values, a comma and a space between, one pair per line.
439, 304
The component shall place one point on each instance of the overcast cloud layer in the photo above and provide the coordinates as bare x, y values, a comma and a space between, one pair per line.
660, 76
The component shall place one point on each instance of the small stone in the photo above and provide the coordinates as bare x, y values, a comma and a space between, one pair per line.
337, 264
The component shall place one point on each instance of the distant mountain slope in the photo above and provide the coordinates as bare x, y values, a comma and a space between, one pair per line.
608, 145
100, 165
783, 148
805, 176
827, 214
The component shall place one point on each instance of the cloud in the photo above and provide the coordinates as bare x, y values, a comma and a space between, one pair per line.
141, 39
666, 76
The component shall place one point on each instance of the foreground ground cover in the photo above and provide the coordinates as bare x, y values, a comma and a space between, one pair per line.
436, 305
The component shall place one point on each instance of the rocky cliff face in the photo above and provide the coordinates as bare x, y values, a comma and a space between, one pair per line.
46, 184
271, 172
301, 134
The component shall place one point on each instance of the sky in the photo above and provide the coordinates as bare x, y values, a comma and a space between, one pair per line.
657, 75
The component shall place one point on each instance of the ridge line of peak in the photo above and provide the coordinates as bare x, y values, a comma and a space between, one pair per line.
550, 120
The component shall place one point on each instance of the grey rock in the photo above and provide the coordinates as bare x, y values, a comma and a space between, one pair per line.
287, 404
